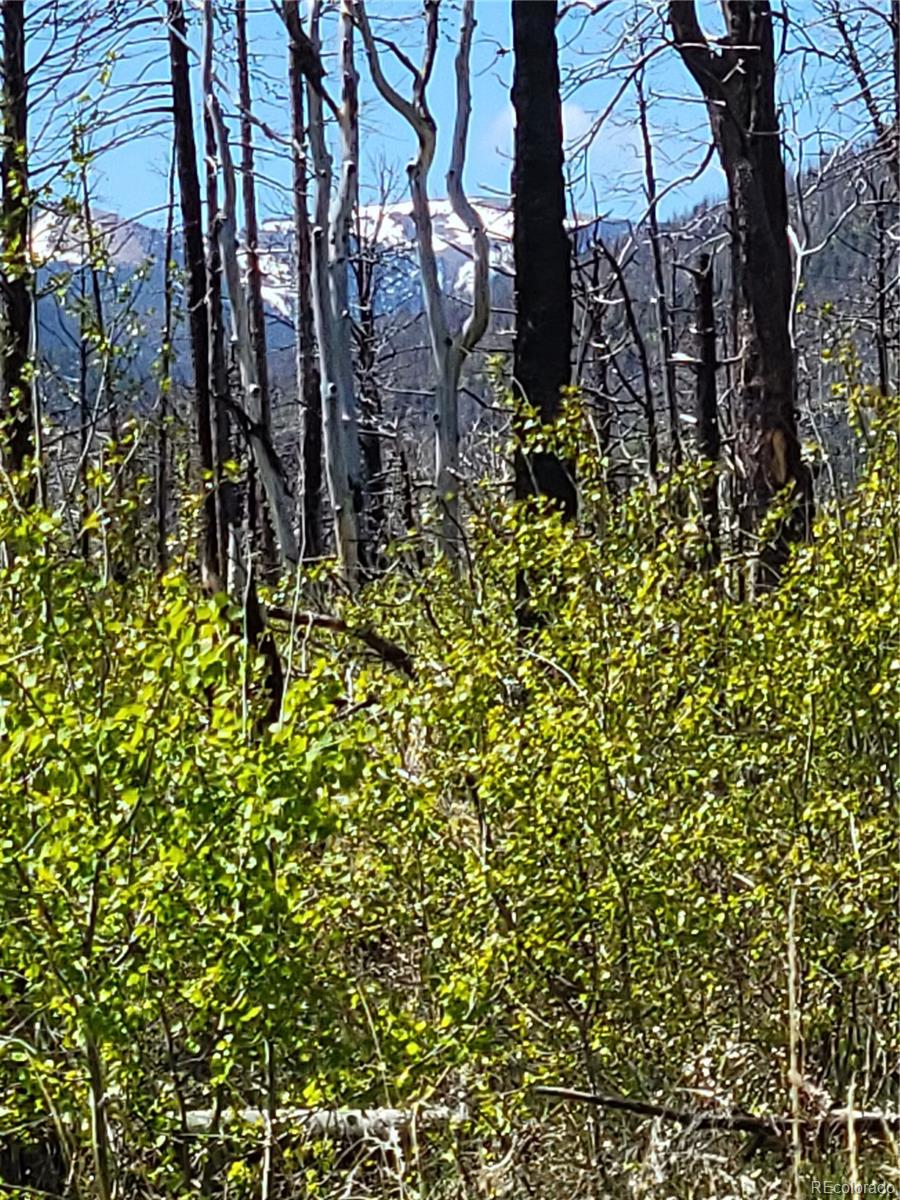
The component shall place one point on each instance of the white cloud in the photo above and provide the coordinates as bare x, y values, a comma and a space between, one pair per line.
576, 121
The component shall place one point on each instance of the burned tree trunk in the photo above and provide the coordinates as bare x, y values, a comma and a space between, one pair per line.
257, 310
195, 262
227, 498
738, 83
543, 268
708, 438
370, 405
16, 412
165, 386
309, 384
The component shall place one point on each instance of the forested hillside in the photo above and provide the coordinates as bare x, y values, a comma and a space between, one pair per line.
450, 638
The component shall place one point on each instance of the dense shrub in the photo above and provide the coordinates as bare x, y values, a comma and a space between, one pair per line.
565, 856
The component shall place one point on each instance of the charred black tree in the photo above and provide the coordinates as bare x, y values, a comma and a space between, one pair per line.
195, 262
309, 385
709, 443
542, 251
363, 265
165, 386
738, 82
261, 523
227, 497
16, 412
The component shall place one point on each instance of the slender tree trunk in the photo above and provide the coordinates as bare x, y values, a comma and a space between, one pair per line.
227, 499
542, 252
369, 395
165, 387
663, 318
246, 413
345, 414
85, 430
881, 286
738, 82
254, 276
895, 47
195, 262
16, 399
708, 438
634, 328
448, 350
309, 384
329, 289
93, 250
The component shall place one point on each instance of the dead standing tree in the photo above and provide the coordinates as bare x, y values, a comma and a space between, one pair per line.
309, 384
449, 350
738, 83
249, 414
259, 522
212, 554
709, 441
543, 254
15, 282
228, 501
330, 255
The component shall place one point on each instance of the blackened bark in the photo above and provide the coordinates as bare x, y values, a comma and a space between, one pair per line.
309, 386
227, 498
709, 445
254, 275
363, 264
542, 252
738, 82
165, 385
192, 232
881, 314
16, 411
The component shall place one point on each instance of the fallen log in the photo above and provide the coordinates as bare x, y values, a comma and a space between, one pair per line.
864, 1121
389, 652
348, 1125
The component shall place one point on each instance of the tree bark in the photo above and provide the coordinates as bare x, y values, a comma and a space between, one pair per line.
663, 316
738, 83
329, 245
541, 247
227, 498
309, 384
708, 438
16, 400
165, 387
448, 350
257, 310
370, 406
247, 414
195, 263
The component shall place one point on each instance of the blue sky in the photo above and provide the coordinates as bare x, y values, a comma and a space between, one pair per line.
131, 178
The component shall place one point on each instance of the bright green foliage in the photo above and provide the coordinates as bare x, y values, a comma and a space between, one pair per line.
160, 863
562, 856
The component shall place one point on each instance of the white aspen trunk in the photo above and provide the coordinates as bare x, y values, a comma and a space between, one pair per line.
448, 351
447, 465
267, 464
339, 267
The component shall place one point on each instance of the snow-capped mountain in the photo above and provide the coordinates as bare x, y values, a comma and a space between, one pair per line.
387, 234
62, 240
129, 258
65, 239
